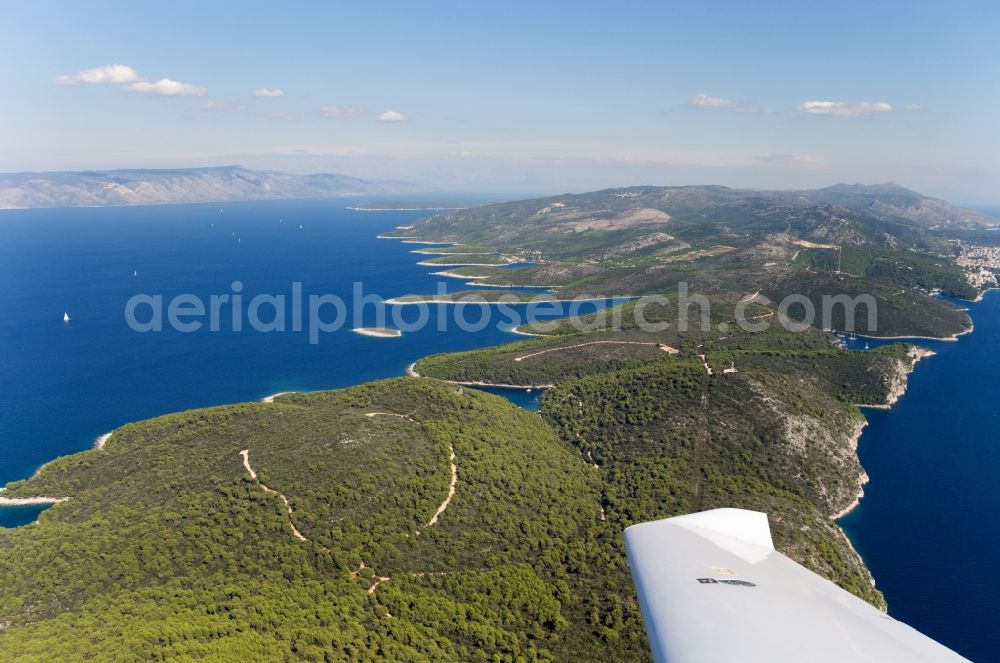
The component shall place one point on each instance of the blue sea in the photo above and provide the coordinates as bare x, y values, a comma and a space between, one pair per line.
928, 526
64, 384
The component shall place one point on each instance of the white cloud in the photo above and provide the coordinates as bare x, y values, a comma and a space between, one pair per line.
119, 73
341, 112
268, 93
391, 116
913, 107
109, 73
702, 100
222, 106
845, 109
167, 88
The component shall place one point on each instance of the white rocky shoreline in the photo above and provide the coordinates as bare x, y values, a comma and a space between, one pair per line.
411, 371
896, 391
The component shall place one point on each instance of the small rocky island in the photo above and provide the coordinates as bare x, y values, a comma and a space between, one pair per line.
378, 332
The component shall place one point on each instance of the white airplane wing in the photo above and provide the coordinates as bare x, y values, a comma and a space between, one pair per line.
712, 588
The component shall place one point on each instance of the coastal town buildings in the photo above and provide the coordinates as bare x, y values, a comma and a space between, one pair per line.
981, 265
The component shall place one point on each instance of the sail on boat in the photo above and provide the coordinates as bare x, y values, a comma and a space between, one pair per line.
65, 317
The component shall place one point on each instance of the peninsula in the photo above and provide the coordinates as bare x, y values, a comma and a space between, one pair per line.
885, 241
419, 518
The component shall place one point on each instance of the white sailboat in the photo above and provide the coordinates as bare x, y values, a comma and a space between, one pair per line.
65, 317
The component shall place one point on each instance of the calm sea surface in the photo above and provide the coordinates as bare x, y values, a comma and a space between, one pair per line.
928, 526
64, 384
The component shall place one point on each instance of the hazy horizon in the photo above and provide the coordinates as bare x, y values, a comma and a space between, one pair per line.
533, 99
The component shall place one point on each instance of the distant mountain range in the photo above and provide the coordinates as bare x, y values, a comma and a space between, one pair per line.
182, 185
613, 222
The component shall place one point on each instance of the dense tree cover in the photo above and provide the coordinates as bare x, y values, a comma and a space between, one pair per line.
647, 240
774, 435
458, 258
699, 319
900, 311
672, 440
557, 358
167, 549
902, 268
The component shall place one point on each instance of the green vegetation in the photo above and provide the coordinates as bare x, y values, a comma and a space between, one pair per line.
459, 259
461, 249
167, 549
900, 311
774, 432
775, 435
473, 296
546, 361
884, 240
902, 268
501, 276
416, 519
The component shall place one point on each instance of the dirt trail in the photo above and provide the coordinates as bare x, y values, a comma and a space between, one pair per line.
702, 441
270, 399
665, 348
253, 475
451, 488
390, 414
378, 581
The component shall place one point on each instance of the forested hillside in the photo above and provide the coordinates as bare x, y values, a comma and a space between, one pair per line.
168, 549
884, 241
413, 519
680, 422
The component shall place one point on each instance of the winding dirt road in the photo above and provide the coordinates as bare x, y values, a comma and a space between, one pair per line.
451, 489
665, 348
253, 475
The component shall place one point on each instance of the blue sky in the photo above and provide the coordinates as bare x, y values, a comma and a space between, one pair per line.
513, 96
